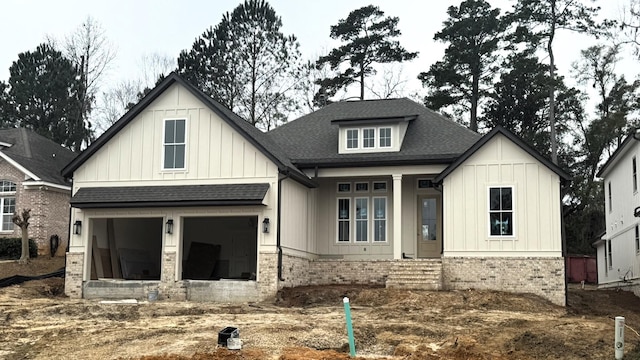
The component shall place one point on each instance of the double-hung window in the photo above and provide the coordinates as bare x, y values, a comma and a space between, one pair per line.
379, 219
501, 211
174, 144
362, 219
344, 219
7, 204
610, 198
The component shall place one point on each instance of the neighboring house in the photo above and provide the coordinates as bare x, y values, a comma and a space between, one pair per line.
618, 250
183, 196
30, 167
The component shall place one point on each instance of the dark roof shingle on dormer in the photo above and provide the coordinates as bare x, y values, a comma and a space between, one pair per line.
312, 140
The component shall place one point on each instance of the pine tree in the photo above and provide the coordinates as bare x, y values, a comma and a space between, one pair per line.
368, 39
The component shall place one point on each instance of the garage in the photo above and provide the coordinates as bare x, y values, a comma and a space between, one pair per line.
219, 248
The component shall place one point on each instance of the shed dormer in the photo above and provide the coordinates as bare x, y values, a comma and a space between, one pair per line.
372, 135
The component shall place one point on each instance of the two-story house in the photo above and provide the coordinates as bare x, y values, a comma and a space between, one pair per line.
184, 196
618, 251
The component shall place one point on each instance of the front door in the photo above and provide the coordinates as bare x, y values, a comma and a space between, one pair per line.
429, 226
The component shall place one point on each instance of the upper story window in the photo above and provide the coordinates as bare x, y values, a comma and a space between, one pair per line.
368, 138
352, 138
501, 211
174, 144
634, 170
7, 204
385, 137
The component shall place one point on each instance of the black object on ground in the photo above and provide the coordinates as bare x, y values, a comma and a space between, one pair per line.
19, 279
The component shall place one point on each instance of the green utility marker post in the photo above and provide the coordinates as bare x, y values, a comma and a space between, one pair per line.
352, 342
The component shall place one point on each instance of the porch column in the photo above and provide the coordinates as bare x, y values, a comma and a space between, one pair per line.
397, 216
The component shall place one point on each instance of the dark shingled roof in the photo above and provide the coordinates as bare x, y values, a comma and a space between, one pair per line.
162, 196
312, 140
39, 155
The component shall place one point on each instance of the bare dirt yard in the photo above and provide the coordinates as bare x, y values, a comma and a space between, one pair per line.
39, 322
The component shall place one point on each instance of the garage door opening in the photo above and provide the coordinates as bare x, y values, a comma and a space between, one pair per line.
126, 248
215, 248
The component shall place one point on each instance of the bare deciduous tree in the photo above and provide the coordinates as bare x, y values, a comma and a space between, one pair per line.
22, 221
115, 101
390, 84
153, 65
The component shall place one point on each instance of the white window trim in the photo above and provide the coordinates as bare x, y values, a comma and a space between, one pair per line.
513, 213
360, 138
186, 141
346, 136
386, 219
390, 137
3, 196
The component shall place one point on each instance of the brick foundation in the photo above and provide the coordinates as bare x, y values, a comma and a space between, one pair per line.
298, 271
540, 276
73, 275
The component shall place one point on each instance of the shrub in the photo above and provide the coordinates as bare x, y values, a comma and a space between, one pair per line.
11, 248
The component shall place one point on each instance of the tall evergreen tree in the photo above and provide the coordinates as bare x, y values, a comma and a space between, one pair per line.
369, 39
473, 32
247, 64
539, 21
519, 101
45, 92
6, 107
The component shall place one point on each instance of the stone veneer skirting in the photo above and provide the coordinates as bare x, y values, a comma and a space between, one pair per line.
534, 275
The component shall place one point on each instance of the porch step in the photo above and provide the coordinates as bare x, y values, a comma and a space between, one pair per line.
418, 274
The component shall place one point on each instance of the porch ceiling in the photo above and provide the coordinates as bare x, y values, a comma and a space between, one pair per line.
170, 196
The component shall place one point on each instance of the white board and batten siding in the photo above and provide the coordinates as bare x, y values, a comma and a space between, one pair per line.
215, 152
298, 225
536, 201
620, 201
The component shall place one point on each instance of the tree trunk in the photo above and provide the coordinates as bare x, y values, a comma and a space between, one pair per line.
24, 257
552, 88
361, 84
475, 86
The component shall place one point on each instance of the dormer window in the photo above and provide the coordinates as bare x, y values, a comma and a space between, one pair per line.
373, 138
385, 137
368, 138
372, 135
352, 139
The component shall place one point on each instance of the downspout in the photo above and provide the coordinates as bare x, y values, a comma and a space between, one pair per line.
563, 235
279, 211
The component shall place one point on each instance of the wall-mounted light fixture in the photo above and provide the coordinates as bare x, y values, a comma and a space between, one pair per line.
265, 225
170, 226
77, 227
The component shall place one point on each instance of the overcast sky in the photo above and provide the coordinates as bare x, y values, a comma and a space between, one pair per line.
167, 27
